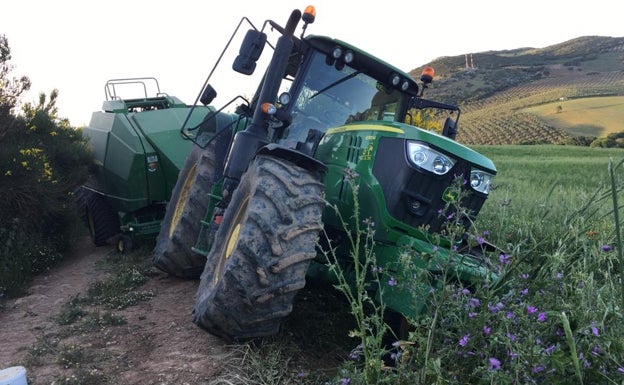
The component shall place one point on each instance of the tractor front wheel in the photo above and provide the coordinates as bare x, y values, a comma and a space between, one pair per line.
261, 252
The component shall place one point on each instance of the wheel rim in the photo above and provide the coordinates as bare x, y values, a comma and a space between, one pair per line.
183, 198
232, 240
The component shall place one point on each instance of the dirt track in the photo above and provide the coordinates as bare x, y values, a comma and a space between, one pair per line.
158, 344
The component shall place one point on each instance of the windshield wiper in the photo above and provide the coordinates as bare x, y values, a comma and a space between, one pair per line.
341, 80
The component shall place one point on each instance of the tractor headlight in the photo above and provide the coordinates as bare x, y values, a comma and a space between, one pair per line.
480, 180
426, 158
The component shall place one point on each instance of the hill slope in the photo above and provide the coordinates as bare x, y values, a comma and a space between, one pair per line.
493, 87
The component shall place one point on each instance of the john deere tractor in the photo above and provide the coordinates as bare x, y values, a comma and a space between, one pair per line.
263, 180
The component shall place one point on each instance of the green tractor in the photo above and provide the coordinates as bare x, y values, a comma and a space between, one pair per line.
252, 197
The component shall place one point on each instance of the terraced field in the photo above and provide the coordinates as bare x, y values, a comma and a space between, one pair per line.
511, 96
505, 118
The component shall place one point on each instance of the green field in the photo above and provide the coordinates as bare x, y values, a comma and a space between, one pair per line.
596, 116
540, 186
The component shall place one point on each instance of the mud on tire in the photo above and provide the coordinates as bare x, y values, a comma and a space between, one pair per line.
262, 251
173, 252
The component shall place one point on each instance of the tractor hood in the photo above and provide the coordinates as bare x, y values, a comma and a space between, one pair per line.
401, 130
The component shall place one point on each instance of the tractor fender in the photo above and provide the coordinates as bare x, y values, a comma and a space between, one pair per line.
300, 159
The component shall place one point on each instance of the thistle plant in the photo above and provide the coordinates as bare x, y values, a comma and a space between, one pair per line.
368, 311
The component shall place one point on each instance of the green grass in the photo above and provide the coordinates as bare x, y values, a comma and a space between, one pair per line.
598, 116
538, 187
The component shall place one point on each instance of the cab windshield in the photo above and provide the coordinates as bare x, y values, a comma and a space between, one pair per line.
328, 97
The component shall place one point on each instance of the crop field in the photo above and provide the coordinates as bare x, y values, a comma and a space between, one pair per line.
598, 116
520, 115
540, 186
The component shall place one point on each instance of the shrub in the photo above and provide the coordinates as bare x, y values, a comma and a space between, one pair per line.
42, 160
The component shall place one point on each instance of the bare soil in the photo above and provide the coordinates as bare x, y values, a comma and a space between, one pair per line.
158, 343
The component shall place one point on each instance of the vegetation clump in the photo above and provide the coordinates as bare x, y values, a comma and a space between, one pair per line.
42, 159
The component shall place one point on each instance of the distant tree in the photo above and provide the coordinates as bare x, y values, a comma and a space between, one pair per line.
424, 119
612, 140
10, 88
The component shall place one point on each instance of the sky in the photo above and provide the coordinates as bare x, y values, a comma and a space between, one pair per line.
77, 46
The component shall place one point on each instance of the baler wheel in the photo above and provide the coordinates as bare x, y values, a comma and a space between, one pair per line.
101, 219
125, 244
187, 207
263, 248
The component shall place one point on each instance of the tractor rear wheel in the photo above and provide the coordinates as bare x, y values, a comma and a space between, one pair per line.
186, 209
263, 248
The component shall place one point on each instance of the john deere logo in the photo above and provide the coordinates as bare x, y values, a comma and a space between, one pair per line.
450, 195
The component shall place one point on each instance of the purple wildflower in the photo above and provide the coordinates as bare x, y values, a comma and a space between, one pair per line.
594, 331
531, 309
541, 317
504, 259
550, 349
486, 233
510, 315
496, 308
301, 374
595, 350
620, 369
480, 240
345, 381
392, 282
487, 330
606, 248
525, 276
464, 340
472, 315
495, 364
559, 275
474, 302
537, 369
524, 292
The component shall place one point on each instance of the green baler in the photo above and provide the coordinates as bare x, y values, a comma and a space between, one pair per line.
138, 151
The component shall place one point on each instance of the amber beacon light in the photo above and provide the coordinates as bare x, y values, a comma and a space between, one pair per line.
309, 14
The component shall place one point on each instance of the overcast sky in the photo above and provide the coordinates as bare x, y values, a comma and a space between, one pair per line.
76, 46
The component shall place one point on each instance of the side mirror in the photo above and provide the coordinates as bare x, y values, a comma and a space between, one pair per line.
208, 95
250, 51
450, 128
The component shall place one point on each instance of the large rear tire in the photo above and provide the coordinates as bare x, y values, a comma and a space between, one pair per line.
261, 252
186, 209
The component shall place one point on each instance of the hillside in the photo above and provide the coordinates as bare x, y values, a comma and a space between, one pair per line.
494, 87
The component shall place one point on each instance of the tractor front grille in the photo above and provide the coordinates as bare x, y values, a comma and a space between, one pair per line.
415, 196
